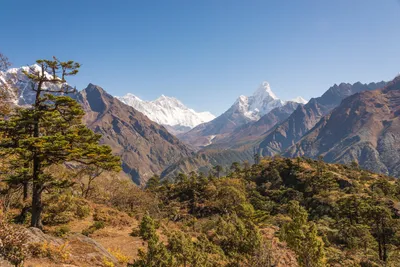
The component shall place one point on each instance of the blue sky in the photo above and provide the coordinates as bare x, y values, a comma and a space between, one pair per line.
207, 53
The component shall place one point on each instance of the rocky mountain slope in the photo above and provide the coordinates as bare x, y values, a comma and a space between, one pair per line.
252, 131
246, 109
168, 111
145, 147
305, 117
365, 128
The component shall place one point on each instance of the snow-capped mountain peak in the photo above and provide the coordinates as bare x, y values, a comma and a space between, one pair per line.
168, 111
132, 97
264, 91
169, 102
16, 78
299, 100
260, 103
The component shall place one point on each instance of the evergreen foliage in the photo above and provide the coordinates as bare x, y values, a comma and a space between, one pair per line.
302, 237
327, 214
49, 133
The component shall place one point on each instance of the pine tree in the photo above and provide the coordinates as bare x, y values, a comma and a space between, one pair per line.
147, 228
256, 156
182, 248
153, 183
236, 237
302, 237
236, 168
383, 228
157, 254
218, 170
275, 178
314, 253
49, 133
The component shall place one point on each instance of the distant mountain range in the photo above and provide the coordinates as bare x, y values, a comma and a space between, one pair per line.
305, 117
349, 122
168, 111
246, 109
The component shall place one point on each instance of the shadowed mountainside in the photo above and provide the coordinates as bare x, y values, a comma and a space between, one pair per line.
305, 117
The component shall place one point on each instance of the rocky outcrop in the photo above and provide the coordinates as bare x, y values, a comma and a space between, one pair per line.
83, 251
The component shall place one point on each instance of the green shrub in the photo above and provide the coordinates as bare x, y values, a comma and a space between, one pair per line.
88, 231
97, 225
63, 208
62, 231
82, 211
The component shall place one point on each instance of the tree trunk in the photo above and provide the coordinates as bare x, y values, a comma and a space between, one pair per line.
22, 216
89, 188
384, 248
37, 206
380, 248
25, 189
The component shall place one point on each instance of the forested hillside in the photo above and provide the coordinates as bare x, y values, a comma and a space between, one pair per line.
280, 212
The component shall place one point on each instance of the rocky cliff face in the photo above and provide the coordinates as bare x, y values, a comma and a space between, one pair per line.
365, 128
145, 147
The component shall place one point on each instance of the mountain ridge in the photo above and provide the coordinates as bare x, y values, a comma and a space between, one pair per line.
305, 117
364, 128
145, 147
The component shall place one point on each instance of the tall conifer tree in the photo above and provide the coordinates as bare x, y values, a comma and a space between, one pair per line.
50, 132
